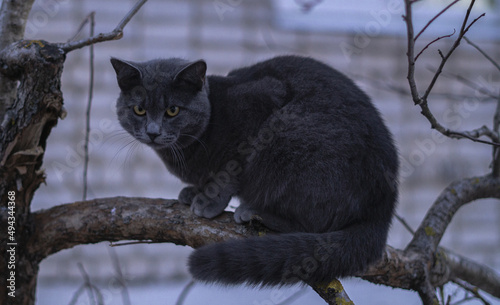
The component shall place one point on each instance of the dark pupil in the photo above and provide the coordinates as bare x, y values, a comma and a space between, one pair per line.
172, 109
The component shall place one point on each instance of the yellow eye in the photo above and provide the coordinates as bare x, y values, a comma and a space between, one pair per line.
139, 110
173, 111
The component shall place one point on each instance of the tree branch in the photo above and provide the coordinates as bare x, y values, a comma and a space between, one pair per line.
161, 220
422, 100
434, 18
120, 218
475, 274
439, 216
117, 33
13, 18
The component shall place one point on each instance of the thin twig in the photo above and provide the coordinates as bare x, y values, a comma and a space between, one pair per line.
89, 107
435, 40
184, 292
475, 134
82, 25
294, 296
87, 283
496, 117
496, 152
128, 243
422, 100
433, 19
411, 53
405, 224
117, 33
77, 294
471, 84
90, 287
464, 29
119, 277
474, 290
483, 53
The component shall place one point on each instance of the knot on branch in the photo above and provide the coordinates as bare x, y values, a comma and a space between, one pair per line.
21, 56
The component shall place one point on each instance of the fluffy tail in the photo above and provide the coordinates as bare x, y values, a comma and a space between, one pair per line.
289, 258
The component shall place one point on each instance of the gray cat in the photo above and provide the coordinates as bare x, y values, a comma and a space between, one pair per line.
298, 143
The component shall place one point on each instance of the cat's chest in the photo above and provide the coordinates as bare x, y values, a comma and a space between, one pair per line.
191, 168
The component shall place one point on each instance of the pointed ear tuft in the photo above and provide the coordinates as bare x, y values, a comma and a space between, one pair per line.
192, 75
127, 74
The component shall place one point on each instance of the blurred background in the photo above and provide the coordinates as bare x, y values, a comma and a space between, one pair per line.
365, 39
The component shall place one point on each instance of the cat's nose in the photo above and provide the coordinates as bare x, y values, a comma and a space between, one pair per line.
153, 130
153, 135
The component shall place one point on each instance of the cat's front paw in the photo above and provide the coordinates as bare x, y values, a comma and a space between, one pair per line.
207, 207
244, 214
186, 196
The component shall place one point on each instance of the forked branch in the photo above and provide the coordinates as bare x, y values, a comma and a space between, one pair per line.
431, 230
422, 100
117, 33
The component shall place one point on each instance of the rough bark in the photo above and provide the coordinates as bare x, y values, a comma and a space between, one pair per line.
161, 220
13, 17
37, 66
439, 216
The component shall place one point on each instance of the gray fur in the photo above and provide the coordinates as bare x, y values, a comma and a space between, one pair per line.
298, 143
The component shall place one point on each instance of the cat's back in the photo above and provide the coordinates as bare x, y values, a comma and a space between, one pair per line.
297, 77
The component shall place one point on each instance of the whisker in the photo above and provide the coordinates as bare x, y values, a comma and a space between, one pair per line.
132, 150
182, 158
198, 140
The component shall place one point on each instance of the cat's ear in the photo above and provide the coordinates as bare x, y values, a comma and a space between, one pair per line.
128, 75
193, 74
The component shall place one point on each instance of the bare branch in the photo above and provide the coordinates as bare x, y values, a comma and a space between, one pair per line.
435, 40
405, 224
464, 29
422, 100
496, 118
439, 216
410, 53
496, 152
463, 269
161, 220
115, 219
491, 60
184, 292
473, 85
472, 290
433, 19
116, 34
91, 17
119, 276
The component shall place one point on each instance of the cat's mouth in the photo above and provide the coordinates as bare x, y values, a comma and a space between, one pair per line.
161, 141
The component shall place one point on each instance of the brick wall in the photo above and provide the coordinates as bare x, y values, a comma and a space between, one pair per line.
239, 36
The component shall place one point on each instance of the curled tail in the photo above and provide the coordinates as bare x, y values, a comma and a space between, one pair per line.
289, 258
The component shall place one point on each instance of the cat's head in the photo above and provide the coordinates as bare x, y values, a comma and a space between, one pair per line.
163, 102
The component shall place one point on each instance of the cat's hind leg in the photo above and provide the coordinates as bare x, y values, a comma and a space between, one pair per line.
244, 213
